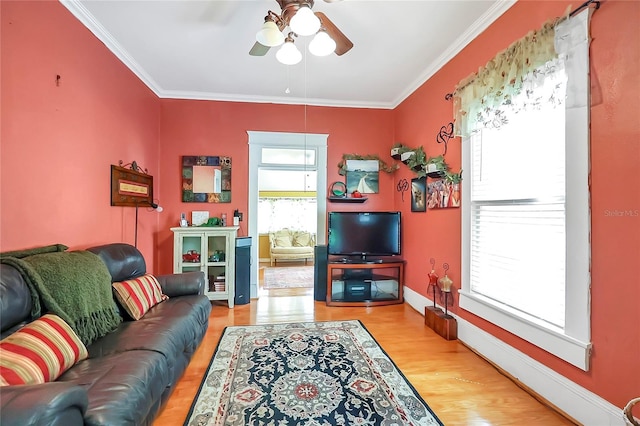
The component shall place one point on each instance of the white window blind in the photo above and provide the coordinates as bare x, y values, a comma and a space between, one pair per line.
518, 211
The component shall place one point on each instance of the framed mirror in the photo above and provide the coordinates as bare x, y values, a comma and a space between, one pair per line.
206, 179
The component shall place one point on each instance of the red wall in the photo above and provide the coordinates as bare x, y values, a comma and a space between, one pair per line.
220, 128
58, 141
615, 186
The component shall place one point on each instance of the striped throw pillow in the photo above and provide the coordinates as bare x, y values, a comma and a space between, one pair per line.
139, 295
39, 352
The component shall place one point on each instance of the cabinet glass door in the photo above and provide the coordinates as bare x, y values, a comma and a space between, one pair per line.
191, 253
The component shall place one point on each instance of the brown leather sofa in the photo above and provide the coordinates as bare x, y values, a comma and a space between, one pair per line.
130, 372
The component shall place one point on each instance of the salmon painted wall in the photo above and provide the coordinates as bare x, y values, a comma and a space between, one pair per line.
220, 128
58, 141
615, 187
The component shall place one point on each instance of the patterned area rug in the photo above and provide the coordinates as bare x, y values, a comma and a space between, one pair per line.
288, 277
323, 373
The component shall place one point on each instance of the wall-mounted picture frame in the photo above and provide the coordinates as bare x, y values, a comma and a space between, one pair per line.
130, 188
206, 179
362, 176
442, 194
419, 194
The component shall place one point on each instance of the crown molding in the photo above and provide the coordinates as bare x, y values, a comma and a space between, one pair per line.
496, 10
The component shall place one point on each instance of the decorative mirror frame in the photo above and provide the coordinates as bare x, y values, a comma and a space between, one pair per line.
221, 163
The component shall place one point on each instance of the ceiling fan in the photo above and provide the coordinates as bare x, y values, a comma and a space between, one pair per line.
302, 21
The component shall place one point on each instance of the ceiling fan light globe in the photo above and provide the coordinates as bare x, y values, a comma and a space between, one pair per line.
304, 22
288, 54
322, 44
270, 35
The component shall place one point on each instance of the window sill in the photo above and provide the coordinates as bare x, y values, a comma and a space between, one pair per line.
555, 342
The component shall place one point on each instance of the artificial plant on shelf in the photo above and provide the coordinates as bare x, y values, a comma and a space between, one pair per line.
453, 177
342, 165
417, 161
398, 149
436, 166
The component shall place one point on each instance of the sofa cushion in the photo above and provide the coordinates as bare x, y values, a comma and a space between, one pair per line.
302, 239
169, 328
15, 300
139, 295
122, 387
39, 352
292, 250
282, 239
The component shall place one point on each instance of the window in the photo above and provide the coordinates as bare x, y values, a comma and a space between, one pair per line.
526, 206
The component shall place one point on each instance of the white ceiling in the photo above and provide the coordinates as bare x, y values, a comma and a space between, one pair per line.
198, 49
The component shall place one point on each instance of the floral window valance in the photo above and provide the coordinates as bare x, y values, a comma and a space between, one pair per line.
483, 98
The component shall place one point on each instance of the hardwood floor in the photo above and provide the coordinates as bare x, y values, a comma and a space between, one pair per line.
460, 387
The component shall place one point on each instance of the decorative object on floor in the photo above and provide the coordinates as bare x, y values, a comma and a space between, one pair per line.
419, 194
445, 284
305, 373
431, 312
441, 322
288, 277
206, 179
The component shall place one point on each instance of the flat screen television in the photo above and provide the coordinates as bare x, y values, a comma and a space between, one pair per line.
364, 234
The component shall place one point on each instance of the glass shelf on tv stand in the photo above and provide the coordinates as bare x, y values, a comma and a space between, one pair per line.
369, 282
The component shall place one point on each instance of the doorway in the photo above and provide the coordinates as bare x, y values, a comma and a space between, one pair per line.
311, 153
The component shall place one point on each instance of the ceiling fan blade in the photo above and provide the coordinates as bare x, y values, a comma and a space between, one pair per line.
259, 49
343, 44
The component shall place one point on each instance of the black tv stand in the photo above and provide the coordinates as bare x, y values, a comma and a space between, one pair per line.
370, 282
364, 260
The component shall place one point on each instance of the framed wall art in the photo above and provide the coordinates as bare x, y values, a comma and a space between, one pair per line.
130, 187
419, 194
362, 176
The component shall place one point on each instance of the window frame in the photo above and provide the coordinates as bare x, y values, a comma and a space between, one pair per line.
573, 342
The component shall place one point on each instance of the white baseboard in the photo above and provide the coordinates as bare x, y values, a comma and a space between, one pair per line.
579, 403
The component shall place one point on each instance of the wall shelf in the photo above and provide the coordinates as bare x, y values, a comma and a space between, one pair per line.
347, 199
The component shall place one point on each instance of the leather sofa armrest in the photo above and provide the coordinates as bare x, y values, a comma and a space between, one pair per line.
186, 283
55, 403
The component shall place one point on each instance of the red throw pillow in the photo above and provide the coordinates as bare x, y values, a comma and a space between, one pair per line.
39, 352
139, 295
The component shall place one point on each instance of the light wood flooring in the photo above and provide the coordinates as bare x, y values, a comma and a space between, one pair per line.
459, 386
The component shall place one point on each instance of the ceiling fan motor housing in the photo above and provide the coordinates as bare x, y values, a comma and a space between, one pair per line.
290, 7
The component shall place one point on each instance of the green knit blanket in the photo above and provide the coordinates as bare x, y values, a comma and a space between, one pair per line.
75, 285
